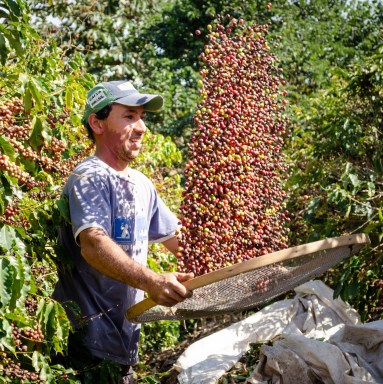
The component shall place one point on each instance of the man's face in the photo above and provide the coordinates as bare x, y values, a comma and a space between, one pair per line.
123, 131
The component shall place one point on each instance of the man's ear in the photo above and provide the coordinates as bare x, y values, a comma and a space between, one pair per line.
95, 124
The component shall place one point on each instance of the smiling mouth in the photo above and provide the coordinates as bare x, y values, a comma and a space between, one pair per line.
136, 143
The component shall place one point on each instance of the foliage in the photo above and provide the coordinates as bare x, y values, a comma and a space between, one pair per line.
14, 28
25, 306
339, 149
191, 15
160, 160
105, 32
38, 89
159, 335
321, 35
109, 37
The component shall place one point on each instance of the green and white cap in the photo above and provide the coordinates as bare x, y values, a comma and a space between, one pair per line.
120, 92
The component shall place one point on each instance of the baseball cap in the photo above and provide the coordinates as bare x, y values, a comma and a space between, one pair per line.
120, 92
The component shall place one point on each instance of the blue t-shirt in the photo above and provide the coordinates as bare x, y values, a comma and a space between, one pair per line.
129, 210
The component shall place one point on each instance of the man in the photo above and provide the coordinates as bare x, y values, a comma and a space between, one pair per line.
115, 212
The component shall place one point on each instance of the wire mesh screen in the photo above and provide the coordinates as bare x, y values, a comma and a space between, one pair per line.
249, 289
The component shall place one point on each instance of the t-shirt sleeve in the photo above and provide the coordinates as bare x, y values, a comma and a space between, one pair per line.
89, 205
163, 223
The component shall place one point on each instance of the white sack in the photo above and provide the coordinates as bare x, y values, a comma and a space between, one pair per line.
206, 360
312, 313
318, 362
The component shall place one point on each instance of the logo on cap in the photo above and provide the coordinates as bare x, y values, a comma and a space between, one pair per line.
96, 98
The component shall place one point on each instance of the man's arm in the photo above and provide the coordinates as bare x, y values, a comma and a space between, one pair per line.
171, 244
103, 254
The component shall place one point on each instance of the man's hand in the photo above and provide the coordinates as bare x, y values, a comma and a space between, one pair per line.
167, 288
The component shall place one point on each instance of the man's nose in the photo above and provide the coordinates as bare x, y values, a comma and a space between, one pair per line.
140, 126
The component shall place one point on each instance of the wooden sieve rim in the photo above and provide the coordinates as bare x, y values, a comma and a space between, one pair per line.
248, 265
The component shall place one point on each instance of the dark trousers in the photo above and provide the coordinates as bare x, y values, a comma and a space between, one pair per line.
90, 368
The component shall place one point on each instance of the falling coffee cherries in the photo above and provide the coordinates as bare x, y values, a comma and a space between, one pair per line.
233, 205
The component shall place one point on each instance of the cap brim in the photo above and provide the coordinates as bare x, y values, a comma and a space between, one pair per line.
151, 103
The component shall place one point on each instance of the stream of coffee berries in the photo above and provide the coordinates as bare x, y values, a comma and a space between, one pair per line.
234, 201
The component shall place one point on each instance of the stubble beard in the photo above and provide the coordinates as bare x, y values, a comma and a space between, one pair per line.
129, 155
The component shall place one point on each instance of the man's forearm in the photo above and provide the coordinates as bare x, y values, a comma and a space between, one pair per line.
103, 254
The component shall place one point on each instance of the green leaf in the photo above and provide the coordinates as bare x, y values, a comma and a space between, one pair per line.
24, 79
354, 180
63, 207
62, 326
56, 325
44, 312
152, 264
380, 215
6, 336
3, 14
14, 42
13, 7
370, 228
7, 277
370, 189
7, 235
313, 206
34, 89
21, 285
3, 200
6, 193
350, 291
30, 166
69, 98
36, 138
7, 148
348, 211
3, 50
14, 274
41, 364
27, 100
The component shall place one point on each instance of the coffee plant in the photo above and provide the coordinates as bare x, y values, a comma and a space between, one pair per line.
32, 325
40, 98
337, 185
233, 205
